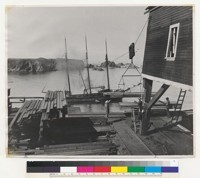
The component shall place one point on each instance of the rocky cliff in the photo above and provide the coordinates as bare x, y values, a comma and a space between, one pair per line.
41, 65
110, 64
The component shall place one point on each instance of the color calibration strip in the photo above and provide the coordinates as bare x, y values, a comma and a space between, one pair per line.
118, 169
102, 167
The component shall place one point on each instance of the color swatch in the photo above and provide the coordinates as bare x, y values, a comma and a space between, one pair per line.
102, 167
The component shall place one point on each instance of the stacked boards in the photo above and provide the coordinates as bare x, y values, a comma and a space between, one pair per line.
36, 110
29, 108
54, 99
54, 103
69, 135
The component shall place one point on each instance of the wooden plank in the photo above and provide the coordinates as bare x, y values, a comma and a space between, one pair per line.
33, 105
61, 99
45, 105
131, 140
52, 103
48, 106
97, 116
122, 150
47, 95
27, 114
54, 95
19, 120
17, 114
22, 109
114, 114
57, 100
39, 105
29, 105
157, 96
43, 116
80, 146
31, 109
104, 129
41, 152
50, 96
46, 116
42, 105
36, 104
73, 109
64, 99
100, 151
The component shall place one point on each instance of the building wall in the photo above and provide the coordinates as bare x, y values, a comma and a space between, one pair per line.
155, 63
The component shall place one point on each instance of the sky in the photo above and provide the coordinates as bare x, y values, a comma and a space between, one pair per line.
34, 32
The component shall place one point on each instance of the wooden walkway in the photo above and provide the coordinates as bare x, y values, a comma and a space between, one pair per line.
168, 141
130, 140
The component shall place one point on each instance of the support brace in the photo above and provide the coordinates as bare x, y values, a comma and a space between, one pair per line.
149, 104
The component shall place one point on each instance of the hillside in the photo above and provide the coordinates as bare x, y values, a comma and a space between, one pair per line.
41, 65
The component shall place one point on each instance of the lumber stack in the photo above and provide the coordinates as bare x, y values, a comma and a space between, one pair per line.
90, 148
29, 108
53, 99
93, 148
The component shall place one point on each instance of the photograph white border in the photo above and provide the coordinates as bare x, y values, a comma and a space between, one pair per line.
18, 163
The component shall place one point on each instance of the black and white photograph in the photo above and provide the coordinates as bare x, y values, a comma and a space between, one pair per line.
100, 80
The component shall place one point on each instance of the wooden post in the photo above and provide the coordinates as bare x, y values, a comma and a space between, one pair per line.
147, 84
150, 102
108, 80
67, 61
88, 70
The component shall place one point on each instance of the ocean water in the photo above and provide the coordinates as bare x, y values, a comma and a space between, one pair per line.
34, 84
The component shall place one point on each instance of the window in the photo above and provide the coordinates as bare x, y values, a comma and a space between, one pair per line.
172, 42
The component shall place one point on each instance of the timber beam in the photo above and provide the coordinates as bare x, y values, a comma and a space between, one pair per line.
149, 103
157, 96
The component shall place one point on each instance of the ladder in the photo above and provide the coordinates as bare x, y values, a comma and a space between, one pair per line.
179, 105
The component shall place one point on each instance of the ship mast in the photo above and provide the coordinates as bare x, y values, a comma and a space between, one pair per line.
88, 72
107, 66
67, 61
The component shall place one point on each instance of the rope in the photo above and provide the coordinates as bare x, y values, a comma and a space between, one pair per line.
141, 31
135, 42
120, 56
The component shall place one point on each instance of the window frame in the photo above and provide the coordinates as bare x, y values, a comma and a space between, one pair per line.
169, 35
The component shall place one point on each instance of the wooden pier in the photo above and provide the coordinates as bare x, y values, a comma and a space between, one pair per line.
50, 126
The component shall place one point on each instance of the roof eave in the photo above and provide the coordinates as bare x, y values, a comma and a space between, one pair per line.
151, 9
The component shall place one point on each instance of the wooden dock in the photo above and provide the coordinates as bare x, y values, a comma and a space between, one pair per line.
114, 94
130, 140
168, 140
86, 133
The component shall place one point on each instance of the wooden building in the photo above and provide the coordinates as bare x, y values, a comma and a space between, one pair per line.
169, 45
168, 54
